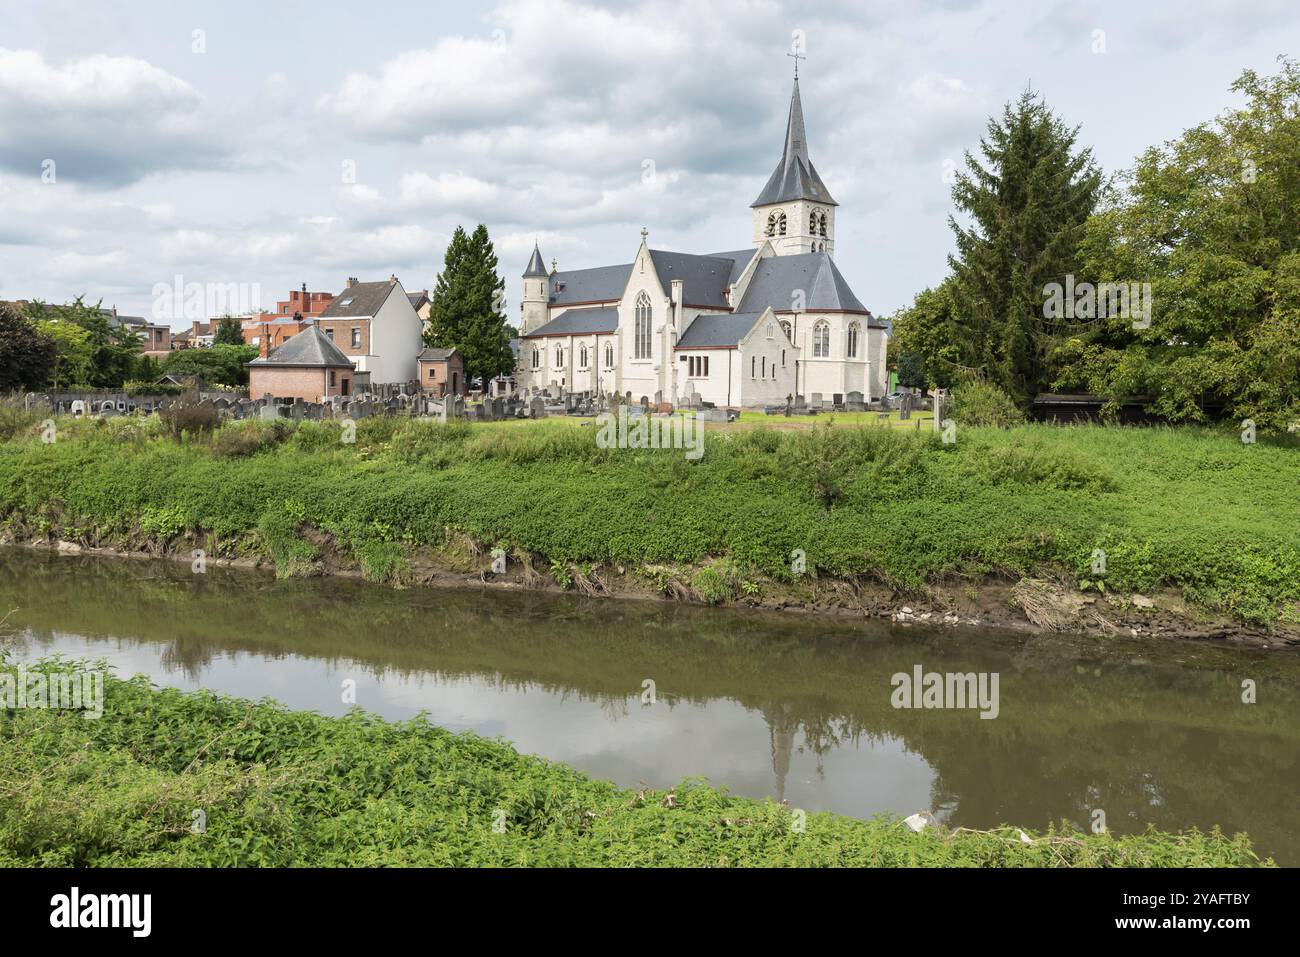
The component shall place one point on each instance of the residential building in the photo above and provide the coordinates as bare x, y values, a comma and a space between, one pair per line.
307, 367
375, 326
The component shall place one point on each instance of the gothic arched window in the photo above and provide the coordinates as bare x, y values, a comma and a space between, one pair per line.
537, 358
780, 224
852, 350
559, 355
641, 348
771, 225
822, 340
582, 358
609, 355
785, 327
821, 227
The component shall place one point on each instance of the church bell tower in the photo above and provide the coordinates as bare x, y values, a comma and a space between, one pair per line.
795, 210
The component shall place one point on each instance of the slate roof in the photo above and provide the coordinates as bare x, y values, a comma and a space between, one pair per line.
776, 278
359, 301
718, 332
535, 265
739, 258
795, 177
579, 322
600, 284
418, 299
706, 278
311, 347
436, 355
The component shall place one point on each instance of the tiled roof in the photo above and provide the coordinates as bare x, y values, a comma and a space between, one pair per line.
718, 332
359, 301
311, 347
579, 322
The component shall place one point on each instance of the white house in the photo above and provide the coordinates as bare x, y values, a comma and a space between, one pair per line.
740, 328
375, 325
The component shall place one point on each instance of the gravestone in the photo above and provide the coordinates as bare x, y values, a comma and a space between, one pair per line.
854, 402
537, 407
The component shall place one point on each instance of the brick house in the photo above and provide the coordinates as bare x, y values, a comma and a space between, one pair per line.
291, 317
307, 367
442, 372
376, 326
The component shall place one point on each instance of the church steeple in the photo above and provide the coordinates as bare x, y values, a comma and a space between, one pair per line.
795, 177
535, 266
795, 211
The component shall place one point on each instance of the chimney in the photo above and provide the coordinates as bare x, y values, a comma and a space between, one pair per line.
352, 281
304, 290
194, 332
264, 347
392, 279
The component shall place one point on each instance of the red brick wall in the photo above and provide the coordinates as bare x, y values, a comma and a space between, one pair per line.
306, 384
342, 334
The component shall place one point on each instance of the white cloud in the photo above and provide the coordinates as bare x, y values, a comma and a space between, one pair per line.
101, 119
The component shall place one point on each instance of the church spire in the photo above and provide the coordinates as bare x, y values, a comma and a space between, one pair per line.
535, 266
795, 176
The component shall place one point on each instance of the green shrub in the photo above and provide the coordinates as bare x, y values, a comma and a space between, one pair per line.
975, 404
188, 415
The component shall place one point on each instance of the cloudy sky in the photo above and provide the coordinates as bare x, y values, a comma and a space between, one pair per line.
277, 143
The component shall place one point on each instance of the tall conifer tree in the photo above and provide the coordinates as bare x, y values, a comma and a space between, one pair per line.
1028, 203
466, 306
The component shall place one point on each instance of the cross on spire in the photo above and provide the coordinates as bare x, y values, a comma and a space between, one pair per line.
797, 56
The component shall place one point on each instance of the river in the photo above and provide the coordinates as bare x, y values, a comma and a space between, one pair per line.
795, 707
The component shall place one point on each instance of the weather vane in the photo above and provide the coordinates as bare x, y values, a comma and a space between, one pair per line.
797, 57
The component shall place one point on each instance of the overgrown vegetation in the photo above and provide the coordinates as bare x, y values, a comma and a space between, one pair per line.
286, 788
896, 507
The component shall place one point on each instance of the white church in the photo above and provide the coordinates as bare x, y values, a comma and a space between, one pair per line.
739, 329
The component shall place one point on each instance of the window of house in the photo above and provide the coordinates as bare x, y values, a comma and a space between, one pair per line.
433, 372
333, 378
698, 367
642, 332
329, 334
852, 349
821, 340
609, 355
356, 338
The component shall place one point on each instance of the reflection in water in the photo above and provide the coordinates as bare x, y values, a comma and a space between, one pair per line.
788, 706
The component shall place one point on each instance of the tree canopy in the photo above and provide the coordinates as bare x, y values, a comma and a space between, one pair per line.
1210, 220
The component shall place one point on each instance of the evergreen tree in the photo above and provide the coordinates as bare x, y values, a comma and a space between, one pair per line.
229, 332
466, 306
1028, 203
